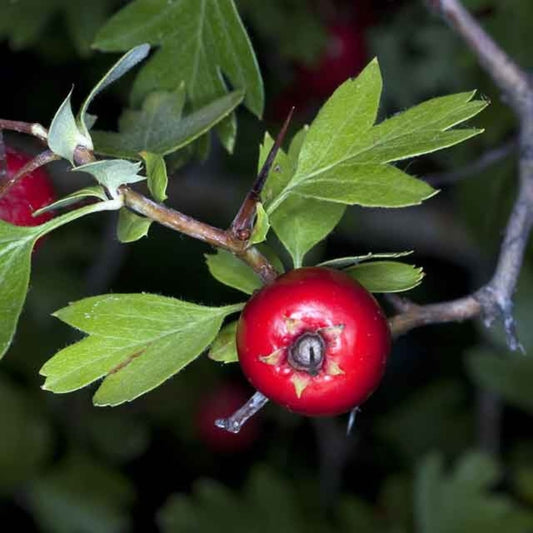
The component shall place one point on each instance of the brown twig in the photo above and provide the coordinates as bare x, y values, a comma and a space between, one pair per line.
242, 224
34, 129
187, 225
510, 78
495, 298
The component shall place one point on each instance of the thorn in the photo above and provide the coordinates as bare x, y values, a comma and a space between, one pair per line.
351, 420
263, 173
244, 219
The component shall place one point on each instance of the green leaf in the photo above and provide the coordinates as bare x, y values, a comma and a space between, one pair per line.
386, 276
344, 157
344, 262
16, 244
224, 349
159, 126
64, 134
230, 270
261, 227
131, 227
352, 109
462, 501
366, 185
302, 222
509, 375
136, 341
420, 130
123, 65
95, 191
156, 174
112, 173
200, 42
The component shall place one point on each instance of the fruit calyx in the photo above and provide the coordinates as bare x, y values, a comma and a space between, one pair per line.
307, 353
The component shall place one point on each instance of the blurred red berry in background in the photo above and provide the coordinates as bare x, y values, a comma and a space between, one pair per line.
344, 57
222, 402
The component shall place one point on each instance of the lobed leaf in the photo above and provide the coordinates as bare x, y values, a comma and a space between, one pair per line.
352, 109
343, 158
137, 341
16, 245
159, 127
462, 500
199, 41
420, 130
112, 173
303, 222
366, 185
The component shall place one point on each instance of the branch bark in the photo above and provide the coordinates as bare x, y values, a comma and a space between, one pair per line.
494, 299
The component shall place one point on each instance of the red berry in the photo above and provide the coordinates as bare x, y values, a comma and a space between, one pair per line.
344, 57
314, 341
32, 192
222, 402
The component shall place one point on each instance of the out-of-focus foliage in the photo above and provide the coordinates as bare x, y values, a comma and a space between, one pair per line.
80, 494
198, 42
27, 437
462, 501
276, 23
267, 503
24, 22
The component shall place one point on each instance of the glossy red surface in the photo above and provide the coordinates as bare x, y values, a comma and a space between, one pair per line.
31, 193
318, 300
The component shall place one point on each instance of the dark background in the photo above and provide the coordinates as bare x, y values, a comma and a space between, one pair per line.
68, 466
